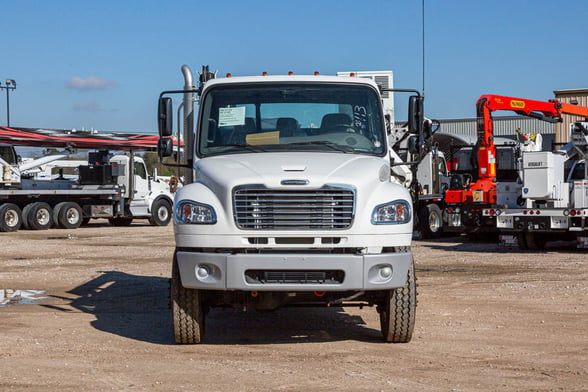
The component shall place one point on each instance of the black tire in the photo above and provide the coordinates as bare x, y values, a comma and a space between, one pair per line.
187, 310
120, 221
69, 215
431, 221
10, 217
56, 209
398, 312
25, 216
40, 216
161, 212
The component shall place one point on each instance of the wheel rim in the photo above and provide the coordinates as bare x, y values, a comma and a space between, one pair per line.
43, 217
11, 218
72, 216
434, 222
162, 214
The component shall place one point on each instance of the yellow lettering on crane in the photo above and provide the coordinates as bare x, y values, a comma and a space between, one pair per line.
517, 104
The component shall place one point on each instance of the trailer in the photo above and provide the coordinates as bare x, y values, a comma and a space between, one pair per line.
115, 187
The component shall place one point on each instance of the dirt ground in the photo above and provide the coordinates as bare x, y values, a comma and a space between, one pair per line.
488, 319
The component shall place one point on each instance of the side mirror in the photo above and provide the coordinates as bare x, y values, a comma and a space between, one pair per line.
165, 117
413, 144
415, 114
165, 147
427, 129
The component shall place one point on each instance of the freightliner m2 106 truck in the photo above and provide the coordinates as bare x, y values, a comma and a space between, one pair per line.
289, 199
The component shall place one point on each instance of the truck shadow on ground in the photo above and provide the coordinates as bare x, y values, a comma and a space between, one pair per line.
463, 244
137, 307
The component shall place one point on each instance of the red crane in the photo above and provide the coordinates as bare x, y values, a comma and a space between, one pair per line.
483, 190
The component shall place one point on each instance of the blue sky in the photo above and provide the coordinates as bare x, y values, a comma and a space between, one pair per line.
101, 64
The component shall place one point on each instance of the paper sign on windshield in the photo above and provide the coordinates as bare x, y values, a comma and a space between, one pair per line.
230, 117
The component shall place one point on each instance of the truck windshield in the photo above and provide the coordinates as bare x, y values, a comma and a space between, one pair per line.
291, 117
7, 154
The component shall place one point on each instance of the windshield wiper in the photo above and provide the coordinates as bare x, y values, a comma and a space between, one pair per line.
331, 145
245, 146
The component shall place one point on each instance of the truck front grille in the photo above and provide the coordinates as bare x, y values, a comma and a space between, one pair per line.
294, 277
326, 208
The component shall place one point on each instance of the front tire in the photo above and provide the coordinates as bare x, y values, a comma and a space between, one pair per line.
398, 311
160, 213
187, 310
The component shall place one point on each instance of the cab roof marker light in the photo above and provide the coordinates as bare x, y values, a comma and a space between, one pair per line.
228, 75
352, 74
290, 73
264, 73
316, 73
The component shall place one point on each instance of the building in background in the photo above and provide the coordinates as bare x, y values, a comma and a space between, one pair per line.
575, 97
503, 127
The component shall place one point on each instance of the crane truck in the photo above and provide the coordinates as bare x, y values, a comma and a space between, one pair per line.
470, 198
291, 197
552, 202
115, 187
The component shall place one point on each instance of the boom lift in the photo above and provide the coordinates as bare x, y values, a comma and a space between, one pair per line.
466, 201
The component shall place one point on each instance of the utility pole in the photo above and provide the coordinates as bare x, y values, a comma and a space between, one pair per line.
10, 85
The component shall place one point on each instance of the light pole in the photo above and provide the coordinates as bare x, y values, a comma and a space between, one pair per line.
10, 85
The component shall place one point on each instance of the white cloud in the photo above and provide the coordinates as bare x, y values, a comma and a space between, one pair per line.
90, 106
90, 83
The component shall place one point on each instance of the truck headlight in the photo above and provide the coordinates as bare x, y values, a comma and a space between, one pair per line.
191, 212
395, 212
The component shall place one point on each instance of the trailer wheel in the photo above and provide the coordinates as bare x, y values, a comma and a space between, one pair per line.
398, 311
40, 216
431, 221
160, 213
10, 217
187, 310
25, 216
67, 215
120, 221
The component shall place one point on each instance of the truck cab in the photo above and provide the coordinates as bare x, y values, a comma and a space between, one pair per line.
10, 174
292, 203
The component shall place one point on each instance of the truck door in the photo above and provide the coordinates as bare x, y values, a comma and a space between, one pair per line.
141, 185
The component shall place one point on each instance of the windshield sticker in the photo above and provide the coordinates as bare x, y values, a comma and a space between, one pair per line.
230, 117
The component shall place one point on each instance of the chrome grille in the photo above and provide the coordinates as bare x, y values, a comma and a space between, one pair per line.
301, 209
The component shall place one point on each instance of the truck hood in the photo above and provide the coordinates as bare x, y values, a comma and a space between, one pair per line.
286, 170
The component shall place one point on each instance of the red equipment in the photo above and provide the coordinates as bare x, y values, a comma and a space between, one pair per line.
483, 190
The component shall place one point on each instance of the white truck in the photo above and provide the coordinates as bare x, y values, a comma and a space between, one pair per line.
103, 188
552, 201
290, 198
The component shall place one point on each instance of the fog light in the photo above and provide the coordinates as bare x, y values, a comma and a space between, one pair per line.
385, 272
202, 272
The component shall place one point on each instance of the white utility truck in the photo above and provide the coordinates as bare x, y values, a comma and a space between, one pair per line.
103, 188
552, 203
290, 198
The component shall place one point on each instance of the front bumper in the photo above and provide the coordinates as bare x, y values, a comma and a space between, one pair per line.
293, 272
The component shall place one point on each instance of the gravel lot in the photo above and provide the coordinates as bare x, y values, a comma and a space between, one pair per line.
488, 319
